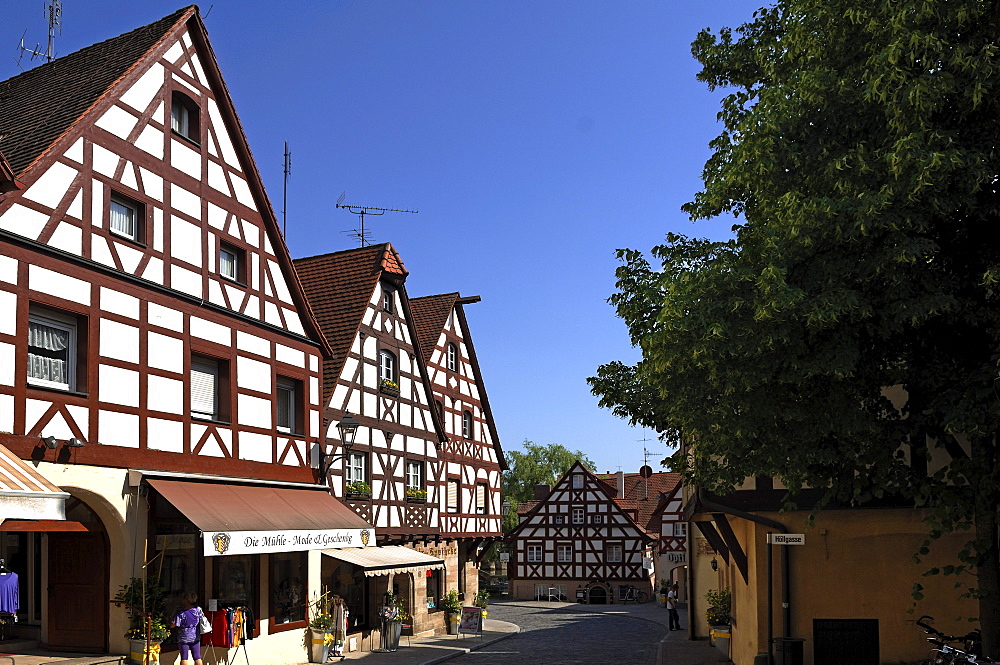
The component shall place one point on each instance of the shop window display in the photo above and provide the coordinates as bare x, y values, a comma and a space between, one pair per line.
288, 590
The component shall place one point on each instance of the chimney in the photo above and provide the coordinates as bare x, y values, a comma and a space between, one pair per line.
542, 491
621, 484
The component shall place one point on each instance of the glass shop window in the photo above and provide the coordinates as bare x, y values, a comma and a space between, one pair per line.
433, 589
288, 587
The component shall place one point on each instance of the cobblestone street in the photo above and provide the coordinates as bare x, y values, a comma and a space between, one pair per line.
558, 636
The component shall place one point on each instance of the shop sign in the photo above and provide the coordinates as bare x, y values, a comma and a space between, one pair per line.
676, 557
219, 543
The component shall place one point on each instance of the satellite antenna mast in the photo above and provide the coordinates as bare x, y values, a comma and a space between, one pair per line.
284, 194
363, 235
53, 14
646, 471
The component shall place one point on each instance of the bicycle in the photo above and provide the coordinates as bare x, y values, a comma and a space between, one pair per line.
634, 594
946, 652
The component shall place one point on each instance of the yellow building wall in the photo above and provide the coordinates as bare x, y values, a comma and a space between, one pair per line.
856, 564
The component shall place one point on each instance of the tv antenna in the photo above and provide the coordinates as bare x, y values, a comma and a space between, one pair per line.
53, 14
361, 234
284, 194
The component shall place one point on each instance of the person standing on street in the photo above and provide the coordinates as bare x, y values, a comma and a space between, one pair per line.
673, 617
187, 622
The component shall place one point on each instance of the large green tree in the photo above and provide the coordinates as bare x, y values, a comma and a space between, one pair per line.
860, 155
537, 464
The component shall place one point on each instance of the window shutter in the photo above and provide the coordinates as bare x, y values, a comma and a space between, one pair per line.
453, 495
481, 499
204, 388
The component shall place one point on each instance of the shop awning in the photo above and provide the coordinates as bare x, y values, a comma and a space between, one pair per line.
252, 519
386, 560
25, 493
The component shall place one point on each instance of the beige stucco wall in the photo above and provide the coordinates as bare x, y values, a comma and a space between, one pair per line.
856, 564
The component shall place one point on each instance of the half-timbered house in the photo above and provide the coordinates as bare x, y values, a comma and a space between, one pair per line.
471, 456
670, 524
586, 538
392, 476
159, 365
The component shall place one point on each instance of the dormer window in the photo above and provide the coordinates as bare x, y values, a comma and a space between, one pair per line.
184, 117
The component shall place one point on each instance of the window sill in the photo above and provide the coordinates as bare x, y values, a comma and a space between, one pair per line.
53, 389
281, 627
126, 238
209, 419
233, 280
186, 139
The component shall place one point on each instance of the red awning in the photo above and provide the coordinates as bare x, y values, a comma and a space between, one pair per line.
41, 526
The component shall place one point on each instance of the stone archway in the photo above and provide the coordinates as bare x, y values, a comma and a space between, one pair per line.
597, 595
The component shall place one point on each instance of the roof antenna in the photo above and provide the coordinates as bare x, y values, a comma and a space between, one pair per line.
646, 471
53, 14
362, 235
284, 194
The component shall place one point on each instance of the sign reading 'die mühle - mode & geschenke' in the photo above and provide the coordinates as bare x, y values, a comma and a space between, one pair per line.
786, 538
221, 543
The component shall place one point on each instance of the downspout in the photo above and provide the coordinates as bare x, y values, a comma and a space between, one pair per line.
786, 610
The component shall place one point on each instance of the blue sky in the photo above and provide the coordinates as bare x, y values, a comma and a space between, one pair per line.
533, 137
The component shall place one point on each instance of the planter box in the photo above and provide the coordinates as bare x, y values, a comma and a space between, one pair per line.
416, 499
318, 649
389, 390
353, 496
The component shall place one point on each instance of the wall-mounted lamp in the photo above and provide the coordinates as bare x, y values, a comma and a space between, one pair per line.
76, 443
50, 442
715, 563
348, 428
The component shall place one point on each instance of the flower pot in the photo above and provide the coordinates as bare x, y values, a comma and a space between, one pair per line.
451, 620
319, 645
721, 636
137, 654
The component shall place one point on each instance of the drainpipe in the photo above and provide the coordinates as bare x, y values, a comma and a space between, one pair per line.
786, 610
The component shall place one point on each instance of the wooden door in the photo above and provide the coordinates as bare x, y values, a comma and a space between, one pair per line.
78, 591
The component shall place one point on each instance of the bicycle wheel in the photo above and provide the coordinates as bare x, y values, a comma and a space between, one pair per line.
641, 597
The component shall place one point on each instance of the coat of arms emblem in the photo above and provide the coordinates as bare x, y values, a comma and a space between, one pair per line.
364, 537
221, 542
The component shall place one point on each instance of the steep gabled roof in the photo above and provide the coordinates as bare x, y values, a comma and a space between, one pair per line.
641, 494
430, 313
338, 286
40, 105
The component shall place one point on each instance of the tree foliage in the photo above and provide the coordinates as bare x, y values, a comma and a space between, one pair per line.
536, 465
860, 156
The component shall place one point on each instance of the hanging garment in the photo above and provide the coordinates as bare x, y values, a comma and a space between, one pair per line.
10, 596
340, 618
221, 635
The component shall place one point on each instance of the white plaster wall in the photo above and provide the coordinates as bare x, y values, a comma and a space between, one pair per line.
165, 394
165, 352
118, 386
253, 375
57, 284
119, 341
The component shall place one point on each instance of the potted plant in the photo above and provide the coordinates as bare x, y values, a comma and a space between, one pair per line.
320, 628
145, 604
358, 489
452, 606
482, 600
718, 616
416, 495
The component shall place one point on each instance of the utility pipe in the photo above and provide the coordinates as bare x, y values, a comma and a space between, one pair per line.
786, 610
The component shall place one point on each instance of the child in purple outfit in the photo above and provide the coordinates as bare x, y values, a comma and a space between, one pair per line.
188, 635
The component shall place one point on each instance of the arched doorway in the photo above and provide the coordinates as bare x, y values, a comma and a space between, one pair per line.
597, 595
78, 583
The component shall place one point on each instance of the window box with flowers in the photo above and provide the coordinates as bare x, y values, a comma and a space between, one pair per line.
388, 387
358, 490
416, 495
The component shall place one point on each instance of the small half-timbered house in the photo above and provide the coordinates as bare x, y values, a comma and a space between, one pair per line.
579, 541
471, 456
159, 364
672, 559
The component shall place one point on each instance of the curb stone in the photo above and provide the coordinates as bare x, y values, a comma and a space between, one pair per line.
462, 651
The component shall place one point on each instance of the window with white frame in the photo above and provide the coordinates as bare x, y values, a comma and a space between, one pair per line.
414, 475
454, 486
125, 217
52, 349
355, 468
231, 263
184, 116
204, 388
577, 481
597, 519
386, 366
578, 516
614, 554
388, 298
482, 491
558, 519
468, 428
534, 553
286, 397
564, 553
452, 356
680, 529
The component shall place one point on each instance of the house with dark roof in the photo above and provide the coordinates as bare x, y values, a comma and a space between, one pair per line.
424, 466
160, 390
589, 538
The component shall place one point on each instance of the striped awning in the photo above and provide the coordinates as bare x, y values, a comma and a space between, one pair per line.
385, 560
27, 494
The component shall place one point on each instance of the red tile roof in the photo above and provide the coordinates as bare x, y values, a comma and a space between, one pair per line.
339, 286
430, 313
40, 105
641, 494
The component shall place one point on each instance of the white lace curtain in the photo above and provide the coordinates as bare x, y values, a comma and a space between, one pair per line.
48, 367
